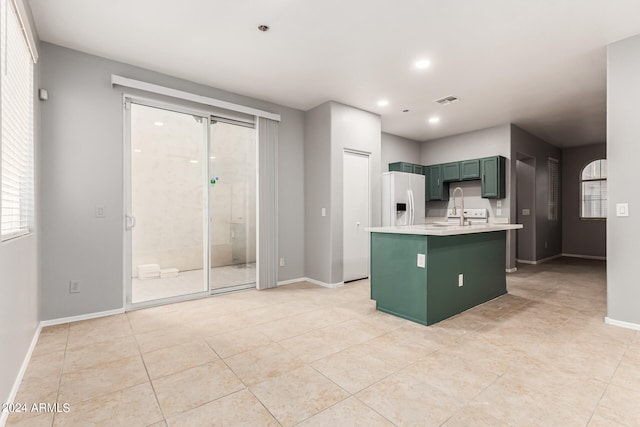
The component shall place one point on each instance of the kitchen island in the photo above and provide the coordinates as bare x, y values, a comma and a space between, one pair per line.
427, 273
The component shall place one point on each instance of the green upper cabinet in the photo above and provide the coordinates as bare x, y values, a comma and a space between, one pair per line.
401, 167
405, 167
451, 172
470, 169
437, 188
492, 171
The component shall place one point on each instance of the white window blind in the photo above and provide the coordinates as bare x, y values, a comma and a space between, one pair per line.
553, 172
16, 132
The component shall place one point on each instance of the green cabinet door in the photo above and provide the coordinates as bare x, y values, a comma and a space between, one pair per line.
451, 172
470, 169
492, 171
438, 189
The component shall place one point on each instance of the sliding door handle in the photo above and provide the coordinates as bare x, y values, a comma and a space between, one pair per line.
130, 222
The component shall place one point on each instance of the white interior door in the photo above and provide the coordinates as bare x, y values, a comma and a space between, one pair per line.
355, 216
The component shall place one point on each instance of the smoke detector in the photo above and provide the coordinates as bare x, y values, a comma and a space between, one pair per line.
447, 100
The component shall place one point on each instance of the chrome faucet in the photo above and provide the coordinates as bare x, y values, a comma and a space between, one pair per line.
461, 204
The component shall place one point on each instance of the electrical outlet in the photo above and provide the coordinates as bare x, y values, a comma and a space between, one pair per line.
460, 280
324, 212
499, 212
74, 286
281, 261
499, 204
422, 260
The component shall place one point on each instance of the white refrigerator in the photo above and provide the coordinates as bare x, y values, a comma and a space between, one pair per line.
403, 197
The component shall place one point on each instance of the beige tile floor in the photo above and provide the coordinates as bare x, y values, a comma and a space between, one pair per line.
309, 356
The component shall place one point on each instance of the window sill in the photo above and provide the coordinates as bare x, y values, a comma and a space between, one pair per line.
15, 235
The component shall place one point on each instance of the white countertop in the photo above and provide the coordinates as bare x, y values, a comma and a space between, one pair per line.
443, 230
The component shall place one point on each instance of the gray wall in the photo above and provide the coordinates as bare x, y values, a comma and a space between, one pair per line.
548, 235
19, 278
398, 149
623, 152
317, 194
330, 128
82, 124
580, 237
492, 141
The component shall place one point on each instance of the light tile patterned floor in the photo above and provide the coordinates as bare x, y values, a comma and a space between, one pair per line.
301, 354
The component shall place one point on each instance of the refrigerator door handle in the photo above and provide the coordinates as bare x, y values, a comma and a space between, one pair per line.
411, 208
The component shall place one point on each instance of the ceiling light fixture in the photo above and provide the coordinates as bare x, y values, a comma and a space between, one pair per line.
263, 28
405, 111
137, 150
383, 103
422, 64
193, 161
158, 123
434, 120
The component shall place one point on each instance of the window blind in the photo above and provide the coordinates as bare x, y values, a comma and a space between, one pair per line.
16, 131
552, 170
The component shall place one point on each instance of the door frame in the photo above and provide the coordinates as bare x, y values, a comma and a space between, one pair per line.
530, 161
367, 155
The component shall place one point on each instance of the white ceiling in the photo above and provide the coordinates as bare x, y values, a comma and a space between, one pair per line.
540, 64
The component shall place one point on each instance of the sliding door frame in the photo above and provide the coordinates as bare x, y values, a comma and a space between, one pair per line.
205, 116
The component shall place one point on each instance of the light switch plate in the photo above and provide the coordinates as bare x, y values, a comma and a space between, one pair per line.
526, 212
622, 209
499, 204
499, 212
324, 212
422, 260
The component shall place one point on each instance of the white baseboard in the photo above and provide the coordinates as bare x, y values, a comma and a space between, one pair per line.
288, 282
599, 258
511, 270
622, 324
313, 281
23, 369
540, 261
87, 316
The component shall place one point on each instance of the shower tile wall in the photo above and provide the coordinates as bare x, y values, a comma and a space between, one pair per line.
168, 205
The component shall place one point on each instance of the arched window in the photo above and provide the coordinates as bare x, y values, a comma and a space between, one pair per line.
593, 190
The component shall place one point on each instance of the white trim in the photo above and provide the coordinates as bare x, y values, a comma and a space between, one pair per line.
312, 281
21, 7
599, 258
540, 261
188, 96
620, 323
289, 282
23, 369
511, 270
87, 316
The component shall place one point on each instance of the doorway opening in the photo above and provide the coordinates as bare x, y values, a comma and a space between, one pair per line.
356, 215
526, 208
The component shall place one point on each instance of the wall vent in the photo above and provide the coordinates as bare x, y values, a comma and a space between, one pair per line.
447, 100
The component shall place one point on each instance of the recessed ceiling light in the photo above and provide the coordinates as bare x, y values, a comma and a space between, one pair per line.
137, 150
263, 28
212, 157
158, 123
405, 111
383, 103
434, 119
193, 161
422, 64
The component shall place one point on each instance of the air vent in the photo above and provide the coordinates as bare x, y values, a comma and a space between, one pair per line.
447, 100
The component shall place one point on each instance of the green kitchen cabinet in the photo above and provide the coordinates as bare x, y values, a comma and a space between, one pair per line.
459, 272
406, 167
492, 175
470, 169
451, 172
437, 188
401, 167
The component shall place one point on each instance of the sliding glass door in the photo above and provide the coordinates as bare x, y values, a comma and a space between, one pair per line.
232, 205
191, 211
